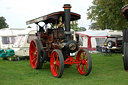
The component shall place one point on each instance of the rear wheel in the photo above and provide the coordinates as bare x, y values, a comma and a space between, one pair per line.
125, 57
85, 66
57, 63
36, 54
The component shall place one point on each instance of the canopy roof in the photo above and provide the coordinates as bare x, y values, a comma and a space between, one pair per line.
53, 18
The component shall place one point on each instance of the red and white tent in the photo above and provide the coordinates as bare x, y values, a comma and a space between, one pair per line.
91, 38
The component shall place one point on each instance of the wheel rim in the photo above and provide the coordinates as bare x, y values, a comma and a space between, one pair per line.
33, 54
83, 66
109, 44
55, 64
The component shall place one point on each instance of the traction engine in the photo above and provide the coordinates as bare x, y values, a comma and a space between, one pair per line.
55, 44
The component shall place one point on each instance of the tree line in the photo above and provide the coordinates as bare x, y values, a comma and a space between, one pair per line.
106, 14
3, 23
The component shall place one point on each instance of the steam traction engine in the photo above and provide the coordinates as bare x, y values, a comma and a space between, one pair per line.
55, 44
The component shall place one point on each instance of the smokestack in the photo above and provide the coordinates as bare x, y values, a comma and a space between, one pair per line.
67, 20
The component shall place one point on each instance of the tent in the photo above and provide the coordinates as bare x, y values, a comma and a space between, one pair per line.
91, 38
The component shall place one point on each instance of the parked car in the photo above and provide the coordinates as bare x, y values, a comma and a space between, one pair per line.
114, 44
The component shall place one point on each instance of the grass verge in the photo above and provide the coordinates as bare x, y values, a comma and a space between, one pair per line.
106, 70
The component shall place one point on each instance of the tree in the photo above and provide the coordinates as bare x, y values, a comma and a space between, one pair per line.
74, 25
94, 26
107, 14
82, 29
3, 24
29, 27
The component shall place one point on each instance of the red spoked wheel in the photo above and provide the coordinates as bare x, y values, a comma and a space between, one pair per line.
57, 63
85, 66
35, 54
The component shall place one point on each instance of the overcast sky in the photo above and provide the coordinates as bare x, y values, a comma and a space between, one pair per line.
17, 12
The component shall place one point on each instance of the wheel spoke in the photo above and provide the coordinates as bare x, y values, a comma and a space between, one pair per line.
32, 51
57, 57
78, 64
56, 69
83, 68
84, 55
58, 63
86, 66
86, 60
33, 45
80, 59
53, 59
33, 60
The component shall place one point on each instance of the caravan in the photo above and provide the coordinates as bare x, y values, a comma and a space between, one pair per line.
7, 37
22, 42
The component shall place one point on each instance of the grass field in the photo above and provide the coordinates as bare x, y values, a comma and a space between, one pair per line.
106, 70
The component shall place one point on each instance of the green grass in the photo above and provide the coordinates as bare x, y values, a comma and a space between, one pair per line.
106, 70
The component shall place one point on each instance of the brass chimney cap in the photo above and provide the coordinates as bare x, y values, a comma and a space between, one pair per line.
67, 6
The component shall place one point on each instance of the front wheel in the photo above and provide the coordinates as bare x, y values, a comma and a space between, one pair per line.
57, 63
85, 66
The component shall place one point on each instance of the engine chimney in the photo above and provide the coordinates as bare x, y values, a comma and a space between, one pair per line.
67, 20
